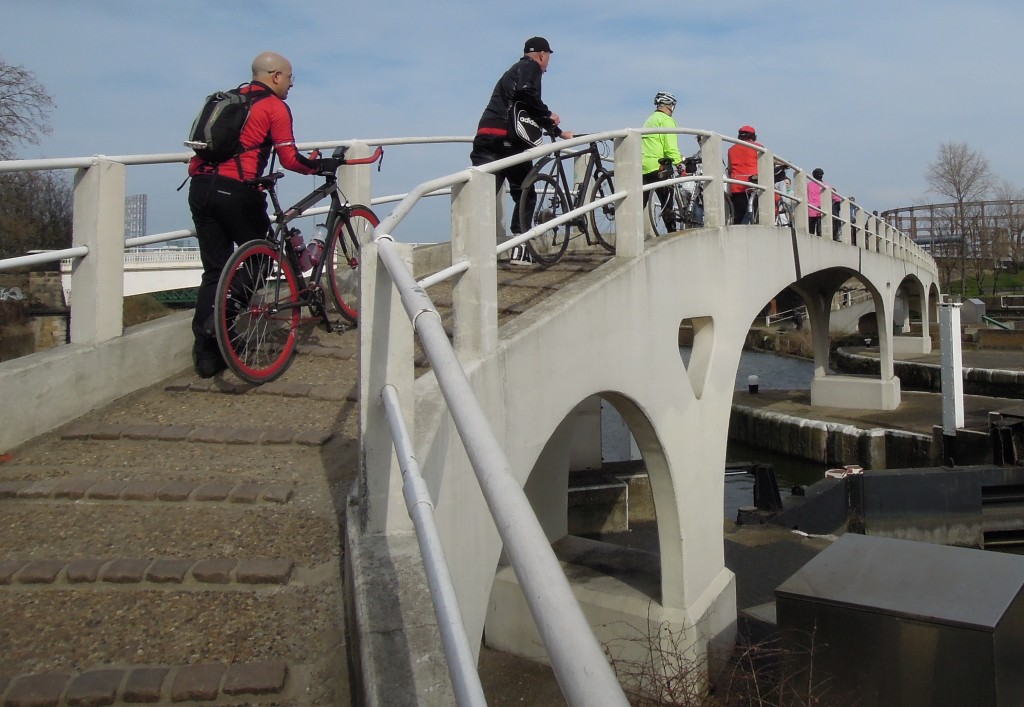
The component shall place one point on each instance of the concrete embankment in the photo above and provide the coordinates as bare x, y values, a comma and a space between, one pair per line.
910, 436
830, 443
783, 421
994, 372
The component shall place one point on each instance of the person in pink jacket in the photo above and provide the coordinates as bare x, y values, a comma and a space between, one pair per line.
814, 189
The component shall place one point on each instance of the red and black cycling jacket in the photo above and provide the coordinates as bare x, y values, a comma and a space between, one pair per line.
268, 128
522, 82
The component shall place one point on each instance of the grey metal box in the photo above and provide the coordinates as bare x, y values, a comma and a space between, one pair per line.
880, 621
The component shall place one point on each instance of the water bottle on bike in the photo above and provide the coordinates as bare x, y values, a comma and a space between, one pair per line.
298, 244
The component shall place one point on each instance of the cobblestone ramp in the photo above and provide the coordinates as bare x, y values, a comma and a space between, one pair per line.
182, 544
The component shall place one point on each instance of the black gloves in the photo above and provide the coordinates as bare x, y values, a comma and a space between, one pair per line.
327, 165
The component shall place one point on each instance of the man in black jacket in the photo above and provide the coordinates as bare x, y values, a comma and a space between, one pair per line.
522, 82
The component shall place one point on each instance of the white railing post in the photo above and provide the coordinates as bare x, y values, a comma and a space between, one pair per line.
766, 179
952, 375
97, 280
844, 216
475, 292
800, 213
826, 213
386, 356
356, 180
714, 191
629, 216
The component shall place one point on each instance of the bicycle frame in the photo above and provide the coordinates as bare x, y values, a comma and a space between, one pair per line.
575, 191
278, 232
262, 289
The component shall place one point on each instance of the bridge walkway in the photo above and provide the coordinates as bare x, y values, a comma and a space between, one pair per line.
183, 543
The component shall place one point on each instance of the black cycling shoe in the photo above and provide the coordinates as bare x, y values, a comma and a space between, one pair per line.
207, 363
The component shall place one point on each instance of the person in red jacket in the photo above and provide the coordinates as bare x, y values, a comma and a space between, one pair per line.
742, 166
227, 208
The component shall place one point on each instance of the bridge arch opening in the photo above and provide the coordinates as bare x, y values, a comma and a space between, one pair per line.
614, 526
699, 334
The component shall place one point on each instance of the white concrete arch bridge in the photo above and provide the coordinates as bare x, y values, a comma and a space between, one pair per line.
611, 334
493, 426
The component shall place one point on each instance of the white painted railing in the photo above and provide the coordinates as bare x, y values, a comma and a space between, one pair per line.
98, 226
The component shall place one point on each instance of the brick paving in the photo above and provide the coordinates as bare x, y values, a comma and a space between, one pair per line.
154, 583
138, 570
201, 682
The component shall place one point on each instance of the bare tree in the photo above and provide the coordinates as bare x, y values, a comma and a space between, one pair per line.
1010, 210
24, 108
35, 207
945, 248
35, 212
963, 176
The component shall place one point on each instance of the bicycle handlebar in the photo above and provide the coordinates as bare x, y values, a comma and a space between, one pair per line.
377, 154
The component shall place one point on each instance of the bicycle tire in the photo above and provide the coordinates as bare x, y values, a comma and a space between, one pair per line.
257, 312
730, 216
602, 219
550, 202
342, 267
655, 209
653, 213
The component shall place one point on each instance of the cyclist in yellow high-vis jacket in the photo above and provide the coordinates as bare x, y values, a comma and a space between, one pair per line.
661, 152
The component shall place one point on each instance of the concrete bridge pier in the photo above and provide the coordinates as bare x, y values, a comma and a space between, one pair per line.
848, 391
914, 296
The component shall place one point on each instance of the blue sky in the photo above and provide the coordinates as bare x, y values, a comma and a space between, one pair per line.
866, 90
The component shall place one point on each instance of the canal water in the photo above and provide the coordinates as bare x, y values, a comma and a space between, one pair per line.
774, 372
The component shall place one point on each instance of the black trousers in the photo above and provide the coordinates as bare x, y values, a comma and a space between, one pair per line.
740, 203
664, 195
226, 213
490, 148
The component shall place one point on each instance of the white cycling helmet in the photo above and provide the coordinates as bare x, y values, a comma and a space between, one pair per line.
664, 98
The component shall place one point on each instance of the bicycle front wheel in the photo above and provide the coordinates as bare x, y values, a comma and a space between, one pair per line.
543, 201
602, 219
257, 312
347, 235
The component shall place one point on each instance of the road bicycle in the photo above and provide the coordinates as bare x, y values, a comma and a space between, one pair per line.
685, 208
685, 201
549, 193
262, 289
783, 209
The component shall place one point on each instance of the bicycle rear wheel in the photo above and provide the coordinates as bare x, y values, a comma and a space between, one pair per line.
342, 267
730, 214
257, 312
602, 219
657, 211
542, 201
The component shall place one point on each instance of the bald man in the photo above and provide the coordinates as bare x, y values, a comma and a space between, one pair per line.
227, 209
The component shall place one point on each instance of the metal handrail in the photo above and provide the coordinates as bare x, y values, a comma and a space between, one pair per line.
579, 663
461, 664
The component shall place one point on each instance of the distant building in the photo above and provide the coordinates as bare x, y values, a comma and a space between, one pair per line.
134, 216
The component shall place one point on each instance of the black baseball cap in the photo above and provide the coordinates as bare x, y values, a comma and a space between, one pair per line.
537, 44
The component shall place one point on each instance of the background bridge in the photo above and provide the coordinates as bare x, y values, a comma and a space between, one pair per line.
608, 334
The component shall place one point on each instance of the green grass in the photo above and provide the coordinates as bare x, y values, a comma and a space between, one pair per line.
143, 308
